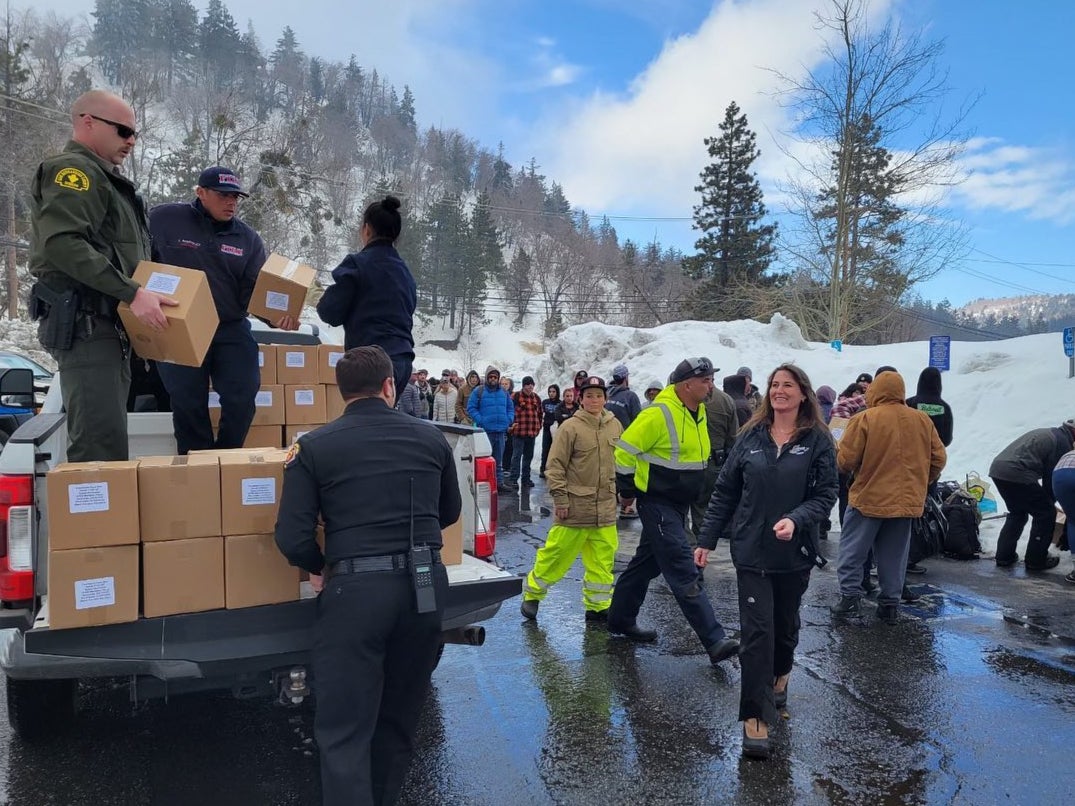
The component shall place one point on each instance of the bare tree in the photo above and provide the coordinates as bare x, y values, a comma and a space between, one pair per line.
869, 204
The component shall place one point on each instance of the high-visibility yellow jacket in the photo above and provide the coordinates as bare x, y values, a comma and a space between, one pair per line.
663, 453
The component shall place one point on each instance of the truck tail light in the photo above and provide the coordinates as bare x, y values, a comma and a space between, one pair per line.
16, 538
485, 505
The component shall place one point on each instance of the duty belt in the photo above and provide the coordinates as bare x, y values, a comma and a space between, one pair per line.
371, 565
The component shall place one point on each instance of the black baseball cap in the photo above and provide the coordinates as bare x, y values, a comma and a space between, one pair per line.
688, 368
222, 180
593, 382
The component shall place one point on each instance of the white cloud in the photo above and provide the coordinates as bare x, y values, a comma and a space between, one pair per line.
1036, 182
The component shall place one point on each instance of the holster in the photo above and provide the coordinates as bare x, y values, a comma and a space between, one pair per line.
57, 314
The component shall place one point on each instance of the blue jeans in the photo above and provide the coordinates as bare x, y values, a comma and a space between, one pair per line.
1064, 490
522, 456
496, 440
232, 366
664, 549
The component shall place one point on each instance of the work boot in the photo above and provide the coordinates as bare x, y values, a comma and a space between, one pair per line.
509, 485
722, 650
529, 608
888, 613
596, 617
632, 631
1051, 561
915, 568
909, 595
755, 739
847, 606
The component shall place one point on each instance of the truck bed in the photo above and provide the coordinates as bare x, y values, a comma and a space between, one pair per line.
218, 642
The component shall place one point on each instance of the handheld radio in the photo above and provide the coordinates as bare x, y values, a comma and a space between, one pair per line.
425, 595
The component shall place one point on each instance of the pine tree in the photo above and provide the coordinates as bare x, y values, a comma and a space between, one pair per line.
735, 248
484, 263
406, 111
220, 44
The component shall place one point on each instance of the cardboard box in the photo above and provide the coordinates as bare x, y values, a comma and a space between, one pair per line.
265, 436
269, 406
256, 573
281, 288
90, 587
182, 576
304, 404
293, 432
296, 364
837, 425
178, 497
250, 484
267, 363
334, 404
191, 324
328, 355
92, 504
451, 552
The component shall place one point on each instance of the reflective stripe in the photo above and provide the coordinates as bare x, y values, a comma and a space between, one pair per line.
596, 597
539, 584
628, 447
597, 586
628, 469
670, 463
673, 435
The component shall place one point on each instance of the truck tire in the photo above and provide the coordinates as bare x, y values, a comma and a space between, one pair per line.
39, 709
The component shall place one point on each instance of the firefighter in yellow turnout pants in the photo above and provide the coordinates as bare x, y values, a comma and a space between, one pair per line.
581, 474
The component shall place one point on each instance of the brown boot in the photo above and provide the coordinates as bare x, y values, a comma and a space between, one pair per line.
780, 690
755, 739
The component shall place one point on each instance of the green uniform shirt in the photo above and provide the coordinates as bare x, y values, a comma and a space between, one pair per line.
89, 225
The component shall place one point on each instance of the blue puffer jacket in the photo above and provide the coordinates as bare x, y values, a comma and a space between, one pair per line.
490, 408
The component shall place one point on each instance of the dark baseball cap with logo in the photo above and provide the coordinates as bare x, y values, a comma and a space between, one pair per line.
688, 368
222, 180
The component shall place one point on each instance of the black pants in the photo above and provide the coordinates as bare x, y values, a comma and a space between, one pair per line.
372, 660
546, 444
664, 549
769, 619
509, 451
1025, 501
401, 372
231, 365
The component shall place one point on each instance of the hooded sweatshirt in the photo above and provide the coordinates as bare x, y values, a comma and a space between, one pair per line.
735, 388
826, 397
894, 452
928, 400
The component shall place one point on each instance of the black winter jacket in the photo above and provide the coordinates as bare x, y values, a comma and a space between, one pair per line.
756, 488
927, 399
373, 297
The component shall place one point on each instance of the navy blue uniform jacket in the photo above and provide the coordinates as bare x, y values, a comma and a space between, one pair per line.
230, 253
374, 297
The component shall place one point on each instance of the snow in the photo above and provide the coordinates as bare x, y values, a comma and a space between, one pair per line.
998, 390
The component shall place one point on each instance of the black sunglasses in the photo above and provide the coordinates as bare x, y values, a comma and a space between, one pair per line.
699, 367
123, 130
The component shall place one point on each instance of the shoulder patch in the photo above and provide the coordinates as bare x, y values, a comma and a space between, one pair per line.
292, 455
72, 179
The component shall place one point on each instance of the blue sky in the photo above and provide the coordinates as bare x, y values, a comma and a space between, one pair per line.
613, 98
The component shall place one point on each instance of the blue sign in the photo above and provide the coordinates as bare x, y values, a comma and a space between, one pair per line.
837, 345
1069, 341
940, 352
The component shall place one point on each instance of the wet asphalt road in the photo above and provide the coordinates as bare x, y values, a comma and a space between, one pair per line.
970, 699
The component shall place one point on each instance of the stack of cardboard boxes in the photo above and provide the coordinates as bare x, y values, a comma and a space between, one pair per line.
298, 393
205, 523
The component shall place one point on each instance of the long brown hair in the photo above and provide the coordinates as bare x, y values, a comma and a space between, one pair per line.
809, 415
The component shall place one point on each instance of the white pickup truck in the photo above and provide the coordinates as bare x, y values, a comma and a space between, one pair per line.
252, 651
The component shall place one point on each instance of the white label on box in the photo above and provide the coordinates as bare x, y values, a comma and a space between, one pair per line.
294, 359
163, 283
261, 359
99, 592
275, 301
214, 400
263, 398
259, 491
90, 497
334, 359
304, 397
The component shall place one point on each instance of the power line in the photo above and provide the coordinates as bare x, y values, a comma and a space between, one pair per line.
1027, 266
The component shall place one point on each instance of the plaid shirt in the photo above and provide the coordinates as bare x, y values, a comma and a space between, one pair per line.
527, 415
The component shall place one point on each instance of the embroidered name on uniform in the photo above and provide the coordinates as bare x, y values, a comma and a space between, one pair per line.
799, 450
231, 250
72, 179
188, 244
